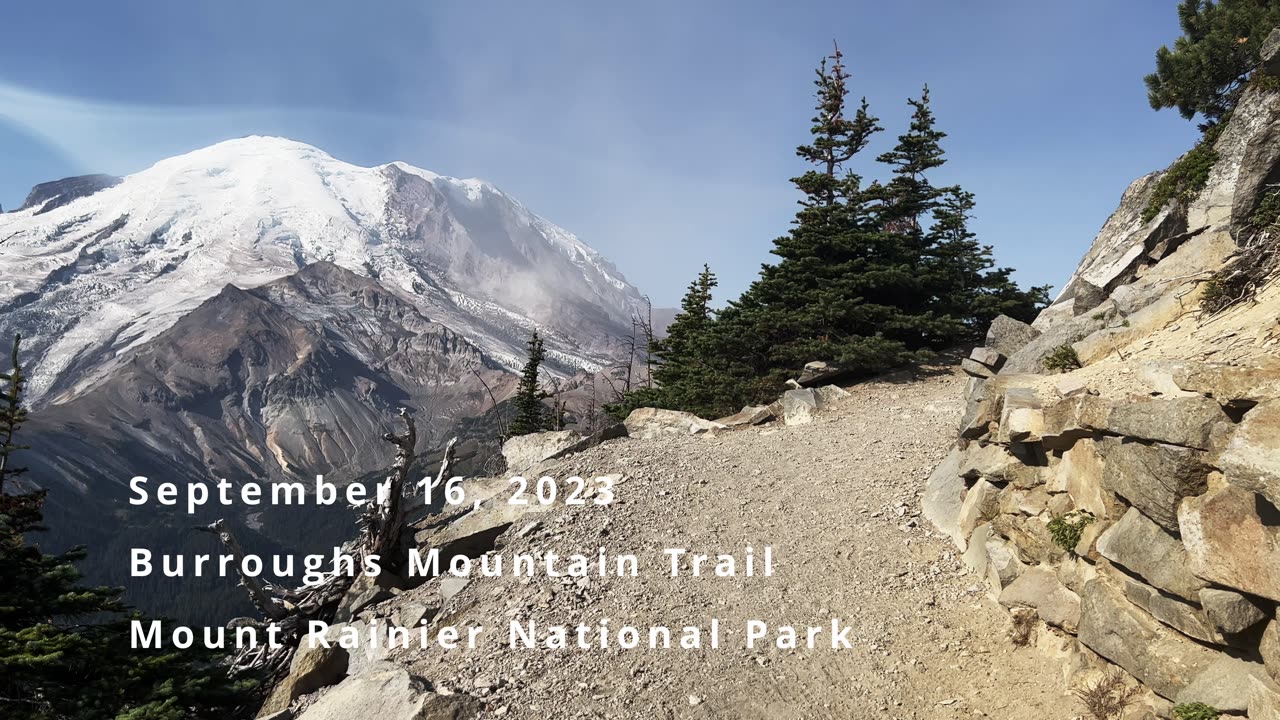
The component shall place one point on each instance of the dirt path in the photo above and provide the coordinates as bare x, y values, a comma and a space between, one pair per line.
838, 501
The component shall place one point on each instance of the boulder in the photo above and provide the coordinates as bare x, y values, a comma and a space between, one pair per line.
1007, 336
1145, 549
1073, 418
412, 614
1230, 612
1188, 619
819, 372
1022, 425
799, 406
1088, 545
387, 692
1225, 685
525, 451
1030, 536
831, 394
1251, 459
748, 416
976, 369
1158, 376
1075, 573
649, 423
310, 670
981, 503
999, 464
1016, 501
1003, 565
1186, 421
1269, 649
1161, 658
450, 586
1232, 538
1081, 475
987, 356
372, 645
608, 432
1264, 699
975, 557
476, 531
980, 410
944, 496
1153, 477
1039, 588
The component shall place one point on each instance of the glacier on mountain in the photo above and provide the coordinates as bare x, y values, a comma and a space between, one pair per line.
89, 280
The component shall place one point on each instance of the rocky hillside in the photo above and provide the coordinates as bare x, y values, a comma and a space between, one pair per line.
1117, 473
833, 489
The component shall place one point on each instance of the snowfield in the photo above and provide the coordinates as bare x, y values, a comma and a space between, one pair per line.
90, 280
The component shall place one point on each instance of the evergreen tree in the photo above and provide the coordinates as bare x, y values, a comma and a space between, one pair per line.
65, 648
969, 287
685, 376
905, 205
835, 285
530, 416
12, 415
1207, 68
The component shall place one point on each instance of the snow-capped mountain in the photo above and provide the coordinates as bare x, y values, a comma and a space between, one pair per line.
259, 310
102, 268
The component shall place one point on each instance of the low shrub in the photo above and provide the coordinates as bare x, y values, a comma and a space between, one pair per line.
1186, 177
1062, 359
1066, 530
1195, 711
1108, 697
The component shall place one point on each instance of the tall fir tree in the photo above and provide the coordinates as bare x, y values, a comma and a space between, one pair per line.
65, 649
685, 374
531, 416
836, 284
967, 285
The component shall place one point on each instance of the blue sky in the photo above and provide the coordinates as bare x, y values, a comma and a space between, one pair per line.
662, 133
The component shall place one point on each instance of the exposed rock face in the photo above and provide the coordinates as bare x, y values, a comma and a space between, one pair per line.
49, 196
1159, 458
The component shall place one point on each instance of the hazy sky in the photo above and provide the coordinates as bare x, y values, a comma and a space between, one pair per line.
662, 133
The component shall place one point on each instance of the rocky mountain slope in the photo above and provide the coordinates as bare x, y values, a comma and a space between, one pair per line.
1130, 501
